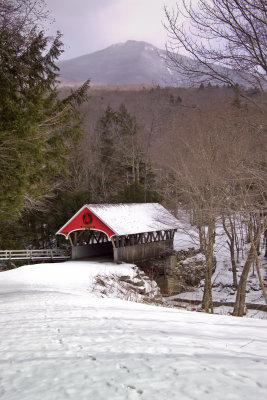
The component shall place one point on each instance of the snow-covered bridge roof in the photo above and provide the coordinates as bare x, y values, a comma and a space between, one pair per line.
121, 219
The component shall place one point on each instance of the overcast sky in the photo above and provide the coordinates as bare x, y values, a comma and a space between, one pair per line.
91, 25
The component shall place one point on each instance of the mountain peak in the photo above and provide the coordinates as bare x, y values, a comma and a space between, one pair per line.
137, 44
131, 62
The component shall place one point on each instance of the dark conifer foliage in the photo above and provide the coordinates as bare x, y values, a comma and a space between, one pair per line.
37, 128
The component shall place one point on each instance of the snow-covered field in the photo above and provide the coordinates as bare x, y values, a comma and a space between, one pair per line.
60, 340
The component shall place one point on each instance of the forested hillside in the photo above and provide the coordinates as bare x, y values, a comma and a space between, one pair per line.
130, 145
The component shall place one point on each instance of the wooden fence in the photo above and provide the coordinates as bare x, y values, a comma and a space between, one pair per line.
44, 254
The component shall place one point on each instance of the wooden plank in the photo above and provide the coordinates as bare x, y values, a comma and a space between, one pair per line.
113, 243
144, 251
71, 242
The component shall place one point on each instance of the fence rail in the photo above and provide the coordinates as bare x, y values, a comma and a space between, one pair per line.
44, 254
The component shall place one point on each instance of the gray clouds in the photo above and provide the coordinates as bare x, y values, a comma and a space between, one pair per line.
91, 25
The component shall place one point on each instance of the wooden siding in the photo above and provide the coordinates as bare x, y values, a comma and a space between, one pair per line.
140, 252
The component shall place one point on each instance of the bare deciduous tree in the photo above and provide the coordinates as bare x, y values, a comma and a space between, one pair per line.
226, 41
197, 175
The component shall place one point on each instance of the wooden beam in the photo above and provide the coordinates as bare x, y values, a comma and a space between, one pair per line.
113, 244
71, 242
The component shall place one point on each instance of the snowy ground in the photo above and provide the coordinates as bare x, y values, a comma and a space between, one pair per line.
60, 340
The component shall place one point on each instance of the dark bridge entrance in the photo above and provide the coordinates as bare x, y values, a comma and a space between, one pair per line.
87, 243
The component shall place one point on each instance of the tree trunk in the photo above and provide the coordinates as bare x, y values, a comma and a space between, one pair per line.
256, 254
259, 276
231, 243
232, 252
239, 308
201, 236
265, 239
207, 303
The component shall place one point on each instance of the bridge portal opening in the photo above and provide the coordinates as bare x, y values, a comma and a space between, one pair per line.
89, 243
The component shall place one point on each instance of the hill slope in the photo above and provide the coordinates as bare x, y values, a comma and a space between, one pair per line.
123, 63
133, 62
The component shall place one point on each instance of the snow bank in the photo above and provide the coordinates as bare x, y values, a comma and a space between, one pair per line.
70, 276
57, 345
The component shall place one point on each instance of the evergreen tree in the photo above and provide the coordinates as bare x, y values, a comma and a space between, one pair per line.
37, 226
37, 128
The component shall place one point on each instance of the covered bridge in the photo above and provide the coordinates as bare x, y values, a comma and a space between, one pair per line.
131, 232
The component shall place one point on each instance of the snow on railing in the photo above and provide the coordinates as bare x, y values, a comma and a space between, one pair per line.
43, 254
